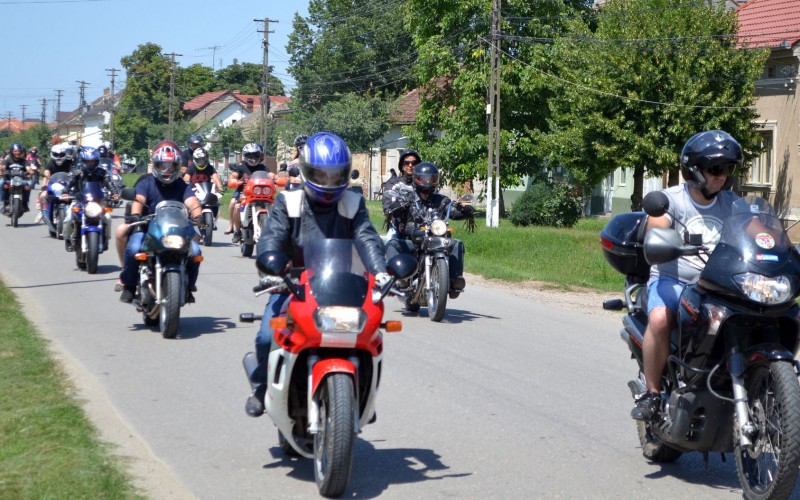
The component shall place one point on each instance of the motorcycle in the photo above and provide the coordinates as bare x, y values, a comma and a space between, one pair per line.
116, 180
91, 223
327, 353
208, 196
163, 286
16, 183
257, 199
54, 209
730, 384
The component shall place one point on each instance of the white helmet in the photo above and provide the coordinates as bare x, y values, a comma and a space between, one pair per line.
60, 152
200, 157
253, 154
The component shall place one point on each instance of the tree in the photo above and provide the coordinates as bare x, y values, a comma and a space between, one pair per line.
651, 75
192, 81
145, 102
359, 46
452, 39
226, 139
246, 78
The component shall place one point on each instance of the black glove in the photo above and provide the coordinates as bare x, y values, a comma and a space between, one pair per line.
133, 218
417, 235
467, 210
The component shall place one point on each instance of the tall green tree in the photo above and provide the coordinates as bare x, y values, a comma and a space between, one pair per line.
453, 41
246, 78
652, 74
192, 81
144, 104
346, 46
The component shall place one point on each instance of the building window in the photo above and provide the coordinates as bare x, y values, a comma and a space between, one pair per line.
761, 169
772, 72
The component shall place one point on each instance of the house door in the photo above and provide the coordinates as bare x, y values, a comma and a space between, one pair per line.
609, 194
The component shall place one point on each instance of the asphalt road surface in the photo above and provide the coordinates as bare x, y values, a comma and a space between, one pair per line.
507, 398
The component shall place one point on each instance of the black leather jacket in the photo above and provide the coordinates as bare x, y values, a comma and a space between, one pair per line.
409, 217
78, 176
293, 222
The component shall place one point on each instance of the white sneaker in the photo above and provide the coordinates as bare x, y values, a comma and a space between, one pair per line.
38, 218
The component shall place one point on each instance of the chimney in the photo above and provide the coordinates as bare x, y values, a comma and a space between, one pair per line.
106, 92
249, 105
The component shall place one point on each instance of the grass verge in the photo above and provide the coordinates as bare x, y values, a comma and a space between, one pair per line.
48, 448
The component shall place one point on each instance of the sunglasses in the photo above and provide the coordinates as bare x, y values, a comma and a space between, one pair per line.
718, 170
412, 163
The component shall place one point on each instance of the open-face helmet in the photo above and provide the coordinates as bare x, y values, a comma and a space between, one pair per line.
195, 141
713, 151
17, 152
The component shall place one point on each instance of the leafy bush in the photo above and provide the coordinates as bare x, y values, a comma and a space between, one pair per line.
547, 204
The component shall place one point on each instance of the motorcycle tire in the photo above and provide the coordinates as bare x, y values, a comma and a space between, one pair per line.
92, 252
208, 230
334, 445
259, 227
247, 249
286, 448
59, 215
170, 313
769, 468
652, 447
80, 257
16, 209
438, 289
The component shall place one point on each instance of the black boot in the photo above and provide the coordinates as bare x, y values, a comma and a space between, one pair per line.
255, 403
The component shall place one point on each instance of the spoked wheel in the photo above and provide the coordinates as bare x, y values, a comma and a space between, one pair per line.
92, 252
15, 211
768, 468
170, 313
652, 447
437, 290
208, 231
335, 443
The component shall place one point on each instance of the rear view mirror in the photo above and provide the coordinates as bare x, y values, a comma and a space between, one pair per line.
655, 204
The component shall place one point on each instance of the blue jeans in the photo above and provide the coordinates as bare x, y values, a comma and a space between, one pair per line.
130, 268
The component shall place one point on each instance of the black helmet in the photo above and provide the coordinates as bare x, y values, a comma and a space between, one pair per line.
300, 141
103, 151
17, 151
195, 140
712, 151
426, 177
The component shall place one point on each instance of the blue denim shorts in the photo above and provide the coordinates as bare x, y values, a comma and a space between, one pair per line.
664, 291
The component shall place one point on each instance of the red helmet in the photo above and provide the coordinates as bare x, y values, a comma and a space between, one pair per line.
167, 162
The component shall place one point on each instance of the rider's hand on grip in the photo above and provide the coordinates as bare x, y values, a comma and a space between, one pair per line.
417, 235
132, 218
267, 282
382, 279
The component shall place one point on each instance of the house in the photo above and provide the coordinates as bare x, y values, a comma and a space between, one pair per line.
15, 126
223, 108
87, 124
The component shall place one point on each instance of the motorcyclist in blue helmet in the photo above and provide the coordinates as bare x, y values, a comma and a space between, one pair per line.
88, 170
324, 208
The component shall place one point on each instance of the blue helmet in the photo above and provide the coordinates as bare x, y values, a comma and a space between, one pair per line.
325, 164
90, 158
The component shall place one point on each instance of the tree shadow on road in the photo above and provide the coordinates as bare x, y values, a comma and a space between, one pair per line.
374, 470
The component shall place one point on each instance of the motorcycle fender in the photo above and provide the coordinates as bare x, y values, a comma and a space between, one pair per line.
759, 354
324, 368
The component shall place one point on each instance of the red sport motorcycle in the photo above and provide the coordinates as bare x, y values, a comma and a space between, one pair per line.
327, 350
257, 199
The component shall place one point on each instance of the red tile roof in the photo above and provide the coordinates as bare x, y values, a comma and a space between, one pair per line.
767, 23
203, 100
407, 105
16, 126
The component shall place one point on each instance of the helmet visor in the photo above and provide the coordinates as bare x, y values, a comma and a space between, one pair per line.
252, 158
720, 166
426, 180
328, 178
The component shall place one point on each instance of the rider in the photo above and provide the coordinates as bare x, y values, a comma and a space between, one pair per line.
88, 171
164, 184
252, 161
408, 160
202, 171
194, 141
406, 216
61, 160
35, 163
16, 155
324, 208
708, 162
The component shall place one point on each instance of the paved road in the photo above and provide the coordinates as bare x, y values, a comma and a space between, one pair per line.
507, 398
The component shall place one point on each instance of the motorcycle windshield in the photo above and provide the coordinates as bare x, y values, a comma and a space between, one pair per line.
337, 274
91, 191
753, 240
171, 218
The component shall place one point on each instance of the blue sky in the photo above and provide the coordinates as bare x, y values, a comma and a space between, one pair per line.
58, 43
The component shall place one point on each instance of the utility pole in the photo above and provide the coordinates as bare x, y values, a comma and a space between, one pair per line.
112, 110
265, 80
171, 129
82, 109
9, 121
58, 109
213, 50
493, 110
44, 110
24, 107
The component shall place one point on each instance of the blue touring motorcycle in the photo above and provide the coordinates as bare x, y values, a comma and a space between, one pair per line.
91, 225
54, 209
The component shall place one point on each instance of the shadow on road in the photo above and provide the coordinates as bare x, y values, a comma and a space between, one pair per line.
191, 327
691, 468
374, 470
452, 316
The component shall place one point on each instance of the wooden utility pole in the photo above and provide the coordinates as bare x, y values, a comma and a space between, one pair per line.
24, 107
171, 128
111, 108
265, 81
82, 110
44, 110
493, 110
58, 109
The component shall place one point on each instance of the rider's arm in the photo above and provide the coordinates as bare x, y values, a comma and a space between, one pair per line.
216, 180
193, 204
364, 232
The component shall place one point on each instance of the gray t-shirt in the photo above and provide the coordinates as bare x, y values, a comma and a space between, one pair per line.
697, 219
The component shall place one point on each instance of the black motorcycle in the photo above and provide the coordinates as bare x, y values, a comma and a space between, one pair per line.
116, 181
17, 183
730, 384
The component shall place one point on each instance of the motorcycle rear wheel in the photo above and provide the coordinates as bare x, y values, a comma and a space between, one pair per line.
769, 468
170, 313
334, 444
208, 231
92, 252
437, 289
15, 211
653, 448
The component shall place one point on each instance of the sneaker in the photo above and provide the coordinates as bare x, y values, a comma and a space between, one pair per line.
458, 284
237, 236
68, 245
648, 406
127, 295
39, 218
255, 403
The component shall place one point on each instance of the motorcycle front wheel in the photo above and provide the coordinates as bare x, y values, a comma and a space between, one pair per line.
334, 444
92, 252
15, 211
437, 289
170, 313
769, 468
60, 215
208, 231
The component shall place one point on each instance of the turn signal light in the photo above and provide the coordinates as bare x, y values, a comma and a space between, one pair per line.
197, 258
140, 256
393, 326
278, 323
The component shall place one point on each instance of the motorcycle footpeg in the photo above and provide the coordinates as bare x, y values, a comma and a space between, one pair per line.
249, 317
637, 387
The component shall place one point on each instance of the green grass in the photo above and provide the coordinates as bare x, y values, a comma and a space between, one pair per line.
564, 258
48, 448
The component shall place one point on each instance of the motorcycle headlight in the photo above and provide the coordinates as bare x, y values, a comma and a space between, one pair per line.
438, 227
763, 289
257, 191
57, 189
336, 319
174, 241
93, 210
